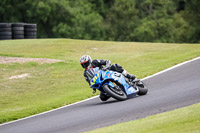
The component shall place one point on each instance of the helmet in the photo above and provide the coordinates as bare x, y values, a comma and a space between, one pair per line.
85, 61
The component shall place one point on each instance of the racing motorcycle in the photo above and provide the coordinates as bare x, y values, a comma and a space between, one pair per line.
115, 85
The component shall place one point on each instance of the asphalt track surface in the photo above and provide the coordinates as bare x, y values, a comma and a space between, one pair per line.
172, 89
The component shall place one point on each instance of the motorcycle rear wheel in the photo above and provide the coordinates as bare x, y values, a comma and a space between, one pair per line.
142, 88
117, 94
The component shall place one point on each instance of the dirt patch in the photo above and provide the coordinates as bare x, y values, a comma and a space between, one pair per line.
5, 60
19, 76
94, 49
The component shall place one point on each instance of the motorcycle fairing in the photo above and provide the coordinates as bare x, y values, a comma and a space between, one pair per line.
101, 76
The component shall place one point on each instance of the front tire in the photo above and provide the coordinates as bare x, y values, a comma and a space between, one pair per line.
117, 94
142, 88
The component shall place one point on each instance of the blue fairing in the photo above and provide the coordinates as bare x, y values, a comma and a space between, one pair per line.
105, 77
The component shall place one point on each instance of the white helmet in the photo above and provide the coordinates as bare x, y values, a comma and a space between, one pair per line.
85, 61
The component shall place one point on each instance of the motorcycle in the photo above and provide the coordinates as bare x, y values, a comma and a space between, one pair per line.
115, 85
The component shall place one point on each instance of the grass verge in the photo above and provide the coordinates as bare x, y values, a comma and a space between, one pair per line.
50, 86
183, 120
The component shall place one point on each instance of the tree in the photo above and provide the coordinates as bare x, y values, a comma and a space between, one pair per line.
159, 22
192, 15
121, 21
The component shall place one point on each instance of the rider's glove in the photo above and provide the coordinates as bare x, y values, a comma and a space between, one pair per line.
108, 64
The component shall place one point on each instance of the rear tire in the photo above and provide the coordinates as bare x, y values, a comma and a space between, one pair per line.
120, 95
142, 88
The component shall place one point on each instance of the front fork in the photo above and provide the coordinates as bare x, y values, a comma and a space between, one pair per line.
112, 84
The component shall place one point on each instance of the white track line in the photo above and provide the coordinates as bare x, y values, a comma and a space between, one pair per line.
168, 69
49, 111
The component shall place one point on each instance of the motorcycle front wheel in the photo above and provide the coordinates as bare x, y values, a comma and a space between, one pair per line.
116, 93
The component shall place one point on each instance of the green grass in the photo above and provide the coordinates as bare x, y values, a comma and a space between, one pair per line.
184, 120
53, 85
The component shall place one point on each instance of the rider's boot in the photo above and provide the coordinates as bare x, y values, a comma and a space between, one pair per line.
128, 75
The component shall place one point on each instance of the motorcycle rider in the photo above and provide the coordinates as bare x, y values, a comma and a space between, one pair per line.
87, 62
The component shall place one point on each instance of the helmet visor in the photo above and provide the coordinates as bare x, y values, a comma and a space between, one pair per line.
85, 64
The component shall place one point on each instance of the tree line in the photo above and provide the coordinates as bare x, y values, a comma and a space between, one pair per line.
170, 21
